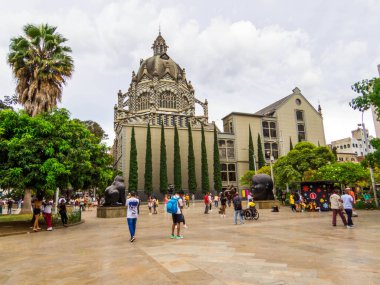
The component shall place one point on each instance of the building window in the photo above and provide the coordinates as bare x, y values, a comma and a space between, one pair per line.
271, 148
142, 102
180, 121
226, 149
173, 120
231, 127
298, 101
301, 132
167, 100
299, 115
348, 145
269, 130
228, 171
344, 146
341, 147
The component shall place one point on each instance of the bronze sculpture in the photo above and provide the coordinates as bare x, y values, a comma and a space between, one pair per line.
262, 187
115, 193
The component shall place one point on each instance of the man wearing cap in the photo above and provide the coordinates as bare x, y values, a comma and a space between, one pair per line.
132, 204
347, 205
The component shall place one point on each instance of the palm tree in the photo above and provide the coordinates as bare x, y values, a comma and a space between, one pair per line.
41, 64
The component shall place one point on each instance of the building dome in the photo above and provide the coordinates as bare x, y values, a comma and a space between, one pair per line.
160, 63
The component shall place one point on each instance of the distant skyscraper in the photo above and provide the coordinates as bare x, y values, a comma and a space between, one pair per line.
376, 122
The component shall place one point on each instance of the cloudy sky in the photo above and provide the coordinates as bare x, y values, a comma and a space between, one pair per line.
240, 55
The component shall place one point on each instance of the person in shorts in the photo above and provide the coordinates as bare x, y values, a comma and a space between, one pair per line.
177, 217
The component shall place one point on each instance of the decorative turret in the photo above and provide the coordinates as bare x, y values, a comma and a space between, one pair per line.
159, 46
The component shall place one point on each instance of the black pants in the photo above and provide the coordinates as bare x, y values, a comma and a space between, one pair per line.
63, 217
206, 209
349, 217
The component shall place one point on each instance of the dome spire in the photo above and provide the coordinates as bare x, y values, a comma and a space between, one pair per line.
159, 46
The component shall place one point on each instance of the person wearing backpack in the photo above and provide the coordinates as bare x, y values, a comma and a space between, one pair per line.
174, 207
238, 208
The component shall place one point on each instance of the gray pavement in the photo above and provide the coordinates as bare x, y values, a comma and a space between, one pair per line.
279, 248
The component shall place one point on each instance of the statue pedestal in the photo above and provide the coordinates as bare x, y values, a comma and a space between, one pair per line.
268, 204
111, 212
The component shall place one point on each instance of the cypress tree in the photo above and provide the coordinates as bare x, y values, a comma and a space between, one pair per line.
217, 168
177, 161
192, 182
251, 161
205, 182
148, 176
290, 144
260, 152
133, 167
163, 165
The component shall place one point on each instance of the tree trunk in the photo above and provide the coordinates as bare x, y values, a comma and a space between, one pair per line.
26, 206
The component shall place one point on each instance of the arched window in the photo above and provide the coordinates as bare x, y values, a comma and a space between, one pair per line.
167, 100
142, 102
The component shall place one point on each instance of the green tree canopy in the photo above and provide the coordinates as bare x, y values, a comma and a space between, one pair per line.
217, 166
41, 64
304, 157
49, 151
345, 173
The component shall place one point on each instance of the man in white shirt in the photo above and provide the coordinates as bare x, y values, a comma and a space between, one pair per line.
132, 213
336, 203
348, 202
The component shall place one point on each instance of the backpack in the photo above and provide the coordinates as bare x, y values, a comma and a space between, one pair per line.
237, 204
172, 205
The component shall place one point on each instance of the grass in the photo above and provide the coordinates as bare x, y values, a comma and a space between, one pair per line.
15, 218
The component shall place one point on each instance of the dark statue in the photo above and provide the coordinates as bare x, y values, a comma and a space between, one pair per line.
115, 193
262, 187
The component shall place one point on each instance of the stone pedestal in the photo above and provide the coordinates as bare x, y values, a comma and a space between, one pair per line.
111, 212
268, 204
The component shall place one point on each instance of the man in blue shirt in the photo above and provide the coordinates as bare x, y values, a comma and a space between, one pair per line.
348, 202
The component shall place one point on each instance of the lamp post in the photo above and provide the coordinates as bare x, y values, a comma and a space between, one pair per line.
269, 153
365, 141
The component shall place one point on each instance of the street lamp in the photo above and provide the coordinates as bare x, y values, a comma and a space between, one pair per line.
365, 141
269, 153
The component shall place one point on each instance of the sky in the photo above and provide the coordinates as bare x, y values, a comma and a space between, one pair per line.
239, 55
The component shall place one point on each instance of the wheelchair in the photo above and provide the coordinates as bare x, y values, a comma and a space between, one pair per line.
251, 214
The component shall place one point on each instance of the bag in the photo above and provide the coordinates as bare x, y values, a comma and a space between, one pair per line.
172, 206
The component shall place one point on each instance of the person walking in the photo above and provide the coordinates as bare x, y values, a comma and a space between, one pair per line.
150, 203
238, 208
177, 217
36, 213
47, 214
154, 205
10, 205
132, 213
210, 201
63, 212
348, 203
193, 199
292, 202
216, 201
223, 205
283, 197
336, 207
206, 200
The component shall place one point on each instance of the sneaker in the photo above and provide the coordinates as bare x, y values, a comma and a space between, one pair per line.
349, 227
172, 236
49, 229
179, 237
133, 239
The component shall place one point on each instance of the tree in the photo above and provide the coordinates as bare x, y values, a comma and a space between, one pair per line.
217, 167
204, 164
177, 162
163, 165
260, 153
251, 153
133, 166
148, 176
345, 173
290, 144
298, 163
369, 91
96, 129
41, 65
49, 151
192, 181
246, 178
8, 102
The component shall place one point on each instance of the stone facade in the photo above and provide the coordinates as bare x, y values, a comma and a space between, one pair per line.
160, 93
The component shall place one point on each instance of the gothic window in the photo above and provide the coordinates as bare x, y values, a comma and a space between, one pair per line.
269, 130
142, 102
228, 171
271, 148
301, 132
168, 100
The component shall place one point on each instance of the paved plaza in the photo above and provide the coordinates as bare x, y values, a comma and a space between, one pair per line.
279, 248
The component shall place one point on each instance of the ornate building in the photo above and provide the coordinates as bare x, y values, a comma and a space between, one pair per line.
159, 93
